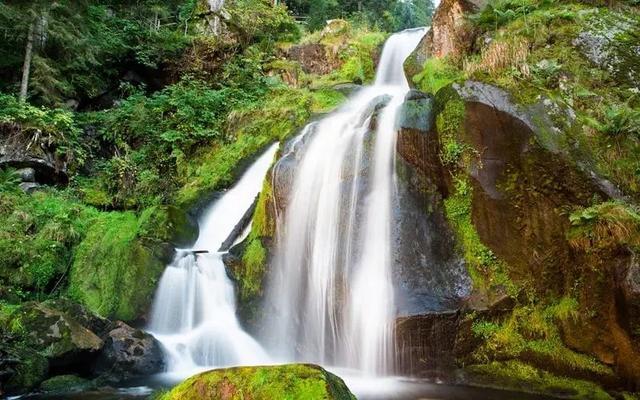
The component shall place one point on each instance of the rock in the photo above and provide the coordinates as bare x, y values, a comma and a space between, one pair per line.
21, 368
17, 151
426, 343
312, 58
27, 174
29, 187
65, 384
631, 291
609, 42
294, 381
56, 334
347, 89
450, 34
129, 352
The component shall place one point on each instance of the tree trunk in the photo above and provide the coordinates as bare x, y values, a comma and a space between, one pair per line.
26, 67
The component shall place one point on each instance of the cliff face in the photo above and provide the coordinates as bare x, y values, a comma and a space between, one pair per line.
548, 229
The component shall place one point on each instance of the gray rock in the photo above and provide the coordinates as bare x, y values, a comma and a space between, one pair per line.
347, 89
27, 174
129, 352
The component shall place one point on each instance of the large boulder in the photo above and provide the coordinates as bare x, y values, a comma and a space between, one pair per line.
56, 334
129, 352
510, 177
295, 381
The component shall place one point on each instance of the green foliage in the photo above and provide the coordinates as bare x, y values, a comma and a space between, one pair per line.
9, 180
436, 74
294, 381
500, 12
37, 239
50, 128
605, 225
618, 120
253, 126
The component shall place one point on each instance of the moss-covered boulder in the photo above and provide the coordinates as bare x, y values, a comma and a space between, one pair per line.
65, 384
55, 334
296, 381
117, 265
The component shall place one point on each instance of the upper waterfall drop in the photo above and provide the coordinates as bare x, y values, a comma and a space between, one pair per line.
194, 311
331, 290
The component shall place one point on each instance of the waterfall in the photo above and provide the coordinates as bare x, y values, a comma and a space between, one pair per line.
215, 6
194, 311
330, 299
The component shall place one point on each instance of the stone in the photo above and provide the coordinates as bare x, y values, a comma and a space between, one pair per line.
65, 384
293, 381
27, 174
129, 352
56, 334
347, 89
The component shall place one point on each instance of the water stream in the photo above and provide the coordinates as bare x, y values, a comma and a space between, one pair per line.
194, 311
331, 293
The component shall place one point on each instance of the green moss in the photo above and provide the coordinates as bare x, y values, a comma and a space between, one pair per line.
531, 333
115, 270
65, 384
449, 122
325, 100
519, 376
37, 238
287, 382
254, 258
485, 269
436, 74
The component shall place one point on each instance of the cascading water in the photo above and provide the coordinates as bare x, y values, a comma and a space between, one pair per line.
194, 312
331, 292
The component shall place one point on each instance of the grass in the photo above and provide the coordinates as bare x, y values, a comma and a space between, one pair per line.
605, 225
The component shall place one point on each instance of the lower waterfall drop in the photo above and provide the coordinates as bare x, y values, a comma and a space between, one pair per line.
331, 299
194, 311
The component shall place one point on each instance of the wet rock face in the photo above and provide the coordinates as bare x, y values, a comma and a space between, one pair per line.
429, 273
426, 344
129, 352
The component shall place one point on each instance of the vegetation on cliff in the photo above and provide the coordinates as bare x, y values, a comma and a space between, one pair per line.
564, 241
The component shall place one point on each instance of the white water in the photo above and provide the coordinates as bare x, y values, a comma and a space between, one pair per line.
332, 294
194, 311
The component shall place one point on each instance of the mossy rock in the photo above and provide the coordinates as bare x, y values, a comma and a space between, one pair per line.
294, 381
517, 376
65, 384
117, 266
169, 224
53, 333
31, 368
